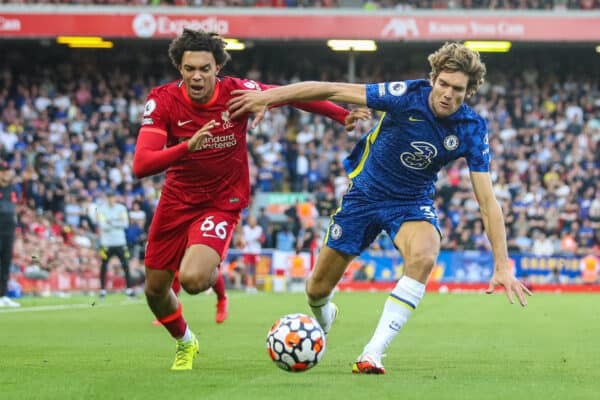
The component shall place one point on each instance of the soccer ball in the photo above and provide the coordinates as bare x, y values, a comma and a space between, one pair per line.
296, 342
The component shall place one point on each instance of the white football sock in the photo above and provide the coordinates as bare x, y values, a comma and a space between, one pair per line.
187, 336
400, 304
323, 310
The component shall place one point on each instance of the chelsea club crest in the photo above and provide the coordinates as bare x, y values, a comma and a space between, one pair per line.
335, 232
451, 142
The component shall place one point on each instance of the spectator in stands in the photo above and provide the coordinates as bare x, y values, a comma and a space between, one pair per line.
568, 244
543, 245
253, 237
264, 221
307, 240
137, 214
285, 239
136, 238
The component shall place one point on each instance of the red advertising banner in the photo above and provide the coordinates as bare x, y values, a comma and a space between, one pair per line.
294, 26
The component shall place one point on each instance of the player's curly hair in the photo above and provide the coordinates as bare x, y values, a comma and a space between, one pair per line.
454, 57
191, 40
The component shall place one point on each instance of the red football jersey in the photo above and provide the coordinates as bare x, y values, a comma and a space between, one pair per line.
218, 174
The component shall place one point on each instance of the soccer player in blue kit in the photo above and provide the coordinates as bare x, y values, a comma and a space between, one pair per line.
393, 169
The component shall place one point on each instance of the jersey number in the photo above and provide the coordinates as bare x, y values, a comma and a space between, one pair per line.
427, 212
209, 228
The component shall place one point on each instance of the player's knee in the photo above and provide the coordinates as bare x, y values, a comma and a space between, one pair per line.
197, 281
423, 262
154, 290
195, 285
316, 290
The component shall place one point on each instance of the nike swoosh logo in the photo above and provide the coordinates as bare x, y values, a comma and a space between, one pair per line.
413, 119
180, 123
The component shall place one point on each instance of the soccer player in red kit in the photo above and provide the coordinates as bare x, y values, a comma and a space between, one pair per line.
186, 130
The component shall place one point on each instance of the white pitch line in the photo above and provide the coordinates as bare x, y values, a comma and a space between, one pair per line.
60, 307
96, 303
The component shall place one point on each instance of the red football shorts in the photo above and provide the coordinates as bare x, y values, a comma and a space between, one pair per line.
175, 227
250, 259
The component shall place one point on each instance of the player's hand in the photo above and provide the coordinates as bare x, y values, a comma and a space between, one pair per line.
511, 285
197, 141
248, 101
356, 115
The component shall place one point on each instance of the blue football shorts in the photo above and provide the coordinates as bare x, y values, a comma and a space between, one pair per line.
359, 220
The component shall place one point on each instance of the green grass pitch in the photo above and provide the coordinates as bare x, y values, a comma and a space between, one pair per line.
455, 346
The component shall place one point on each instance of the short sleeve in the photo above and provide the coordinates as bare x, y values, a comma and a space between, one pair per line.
250, 84
387, 96
478, 157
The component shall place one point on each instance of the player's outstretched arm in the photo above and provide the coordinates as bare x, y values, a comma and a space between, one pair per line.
512, 286
251, 101
493, 220
331, 111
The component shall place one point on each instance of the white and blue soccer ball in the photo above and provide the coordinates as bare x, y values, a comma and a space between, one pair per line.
296, 342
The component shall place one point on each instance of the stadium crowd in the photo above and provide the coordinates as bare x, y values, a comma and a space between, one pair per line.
69, 130
366, 4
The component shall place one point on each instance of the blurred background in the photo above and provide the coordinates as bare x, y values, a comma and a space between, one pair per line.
74, 76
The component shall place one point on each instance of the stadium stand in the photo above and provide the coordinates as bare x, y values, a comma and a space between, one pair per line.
68, 128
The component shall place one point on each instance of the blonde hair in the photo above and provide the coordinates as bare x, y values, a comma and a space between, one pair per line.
456, 57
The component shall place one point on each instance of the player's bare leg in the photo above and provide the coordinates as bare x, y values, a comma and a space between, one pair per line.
167, 309
219, 289
198, 270
176, 287
161, 299
328, 271
419, 244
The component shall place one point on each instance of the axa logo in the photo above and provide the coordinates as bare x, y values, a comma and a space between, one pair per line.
401, 27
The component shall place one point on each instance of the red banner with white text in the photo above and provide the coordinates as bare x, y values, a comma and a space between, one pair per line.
405, 27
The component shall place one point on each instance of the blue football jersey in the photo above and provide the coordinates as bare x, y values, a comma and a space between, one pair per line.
402, 155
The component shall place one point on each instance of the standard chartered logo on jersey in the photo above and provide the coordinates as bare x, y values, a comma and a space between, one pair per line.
421, 157
220, 142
